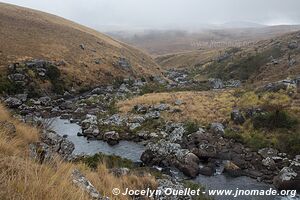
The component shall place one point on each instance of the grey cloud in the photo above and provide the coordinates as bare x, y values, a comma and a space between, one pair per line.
168, 13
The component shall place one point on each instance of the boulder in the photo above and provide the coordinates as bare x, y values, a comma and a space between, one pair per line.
133, 126
57, 143
152, 115
217, 128
112, 138
207, 171
178, 102
83, 183
22, 97
137, 119
287, 179
190, 165
177, 134
216, 83
237, 117
124, 63
268, 152
161, 107
12, 102
17, 77
268, 162
293, 45
142, 109
232, 169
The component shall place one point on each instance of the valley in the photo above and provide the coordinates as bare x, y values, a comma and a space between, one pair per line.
82, 114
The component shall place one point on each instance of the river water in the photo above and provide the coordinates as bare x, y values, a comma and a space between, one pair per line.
133, 151
125, 149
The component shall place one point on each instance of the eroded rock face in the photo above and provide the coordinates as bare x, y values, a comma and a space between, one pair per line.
83, 183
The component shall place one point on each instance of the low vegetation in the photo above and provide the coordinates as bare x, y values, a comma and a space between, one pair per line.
275, 124
242, 67
201, 107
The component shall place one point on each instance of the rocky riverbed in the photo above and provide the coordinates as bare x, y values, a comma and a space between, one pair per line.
89, 123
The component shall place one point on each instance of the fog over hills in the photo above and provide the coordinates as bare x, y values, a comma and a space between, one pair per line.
108, 15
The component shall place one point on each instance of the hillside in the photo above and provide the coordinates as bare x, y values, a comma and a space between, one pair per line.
263, 62
259, 63
89, 57
186, 59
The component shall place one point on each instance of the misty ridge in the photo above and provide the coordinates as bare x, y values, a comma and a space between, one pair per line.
150, 99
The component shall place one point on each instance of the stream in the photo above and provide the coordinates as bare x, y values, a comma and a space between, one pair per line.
133, 151
125, 149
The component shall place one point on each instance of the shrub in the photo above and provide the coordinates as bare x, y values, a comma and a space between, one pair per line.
9, 87
234, 135
111, 161
273, 120
257, 140
289, 142
191, 127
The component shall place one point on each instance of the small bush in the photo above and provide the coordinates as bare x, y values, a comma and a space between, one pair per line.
289, 143
191, 127
111, 161
257, 141
9, 87
234, 135
273, 120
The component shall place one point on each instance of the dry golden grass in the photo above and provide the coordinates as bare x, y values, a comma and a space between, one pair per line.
187, 59
204, 107
27, 33
22, 178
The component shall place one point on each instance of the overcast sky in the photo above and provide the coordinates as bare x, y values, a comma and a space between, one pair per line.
101, 14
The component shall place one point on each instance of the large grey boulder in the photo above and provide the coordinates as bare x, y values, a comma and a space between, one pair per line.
293, 45
268, 152
166, 153
45, 101
57, 143
217, 128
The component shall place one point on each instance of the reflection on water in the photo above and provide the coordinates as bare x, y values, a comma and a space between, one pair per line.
125, 149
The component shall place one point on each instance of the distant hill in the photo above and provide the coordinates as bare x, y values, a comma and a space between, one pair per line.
91, 58
161, 42
260, 63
